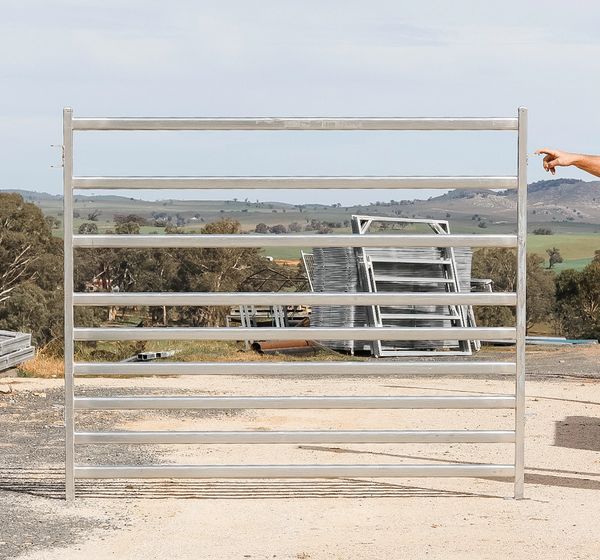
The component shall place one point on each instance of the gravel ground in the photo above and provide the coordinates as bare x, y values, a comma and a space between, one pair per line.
556, 361
36, 520
34, 514
544, 362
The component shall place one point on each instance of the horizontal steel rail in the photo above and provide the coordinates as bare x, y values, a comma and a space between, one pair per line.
293, 298
271, 182
300, 436
257, 241
294, 403
295, 123
295, 368
295, 471
296, 333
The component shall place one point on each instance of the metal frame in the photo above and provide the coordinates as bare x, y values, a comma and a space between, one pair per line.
308, 261
248, 315
516, 368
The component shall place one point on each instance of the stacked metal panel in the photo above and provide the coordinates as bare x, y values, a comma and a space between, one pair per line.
393, 270
335, 270
15, 347
409, 270
414, 270
408, 275
464, 259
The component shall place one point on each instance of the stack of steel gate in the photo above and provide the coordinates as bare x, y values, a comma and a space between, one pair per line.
15, 348
334, 269
516, 367
422, 269
393, 270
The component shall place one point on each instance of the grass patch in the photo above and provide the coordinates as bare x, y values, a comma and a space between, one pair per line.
42, 366
185, 351
576, 264
226, 351
286, 253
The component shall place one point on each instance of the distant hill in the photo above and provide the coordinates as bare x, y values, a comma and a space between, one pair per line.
554, 201
34, 196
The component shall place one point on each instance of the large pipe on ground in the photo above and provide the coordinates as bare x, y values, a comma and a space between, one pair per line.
284, 347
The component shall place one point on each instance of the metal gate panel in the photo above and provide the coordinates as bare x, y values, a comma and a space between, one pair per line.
515, 369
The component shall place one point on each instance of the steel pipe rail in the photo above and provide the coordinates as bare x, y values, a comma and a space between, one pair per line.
295, 123
296, 333
298, 437
174, 299
293, 403
271, 182
256, 241
295, 368
295, 471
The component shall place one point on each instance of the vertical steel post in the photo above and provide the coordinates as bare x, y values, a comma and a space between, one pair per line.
521, 304
68, 295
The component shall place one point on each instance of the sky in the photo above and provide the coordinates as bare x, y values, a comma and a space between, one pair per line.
293, 58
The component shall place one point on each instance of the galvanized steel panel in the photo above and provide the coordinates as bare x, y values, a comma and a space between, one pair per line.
299, 368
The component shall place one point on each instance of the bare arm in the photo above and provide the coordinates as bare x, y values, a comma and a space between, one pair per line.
556, 158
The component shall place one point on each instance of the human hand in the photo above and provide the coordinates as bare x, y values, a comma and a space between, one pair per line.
556, 158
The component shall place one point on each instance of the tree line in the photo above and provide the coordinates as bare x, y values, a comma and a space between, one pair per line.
31, 274
31, 277
569, 302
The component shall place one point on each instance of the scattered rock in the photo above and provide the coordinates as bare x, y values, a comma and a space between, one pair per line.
5, 389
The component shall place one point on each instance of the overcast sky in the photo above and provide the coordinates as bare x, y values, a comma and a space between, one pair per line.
293, 58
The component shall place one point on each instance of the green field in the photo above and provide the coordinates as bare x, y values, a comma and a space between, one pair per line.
575, 264
286, 253
577, 242
577, 249
572, 246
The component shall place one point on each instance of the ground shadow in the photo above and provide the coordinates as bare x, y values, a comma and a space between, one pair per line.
562, 481
531, 397
578, 432
532, 474
49, 483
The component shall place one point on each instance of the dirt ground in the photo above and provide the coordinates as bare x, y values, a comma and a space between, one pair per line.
302, 519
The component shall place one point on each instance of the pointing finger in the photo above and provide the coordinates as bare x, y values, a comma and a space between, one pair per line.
546, 151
